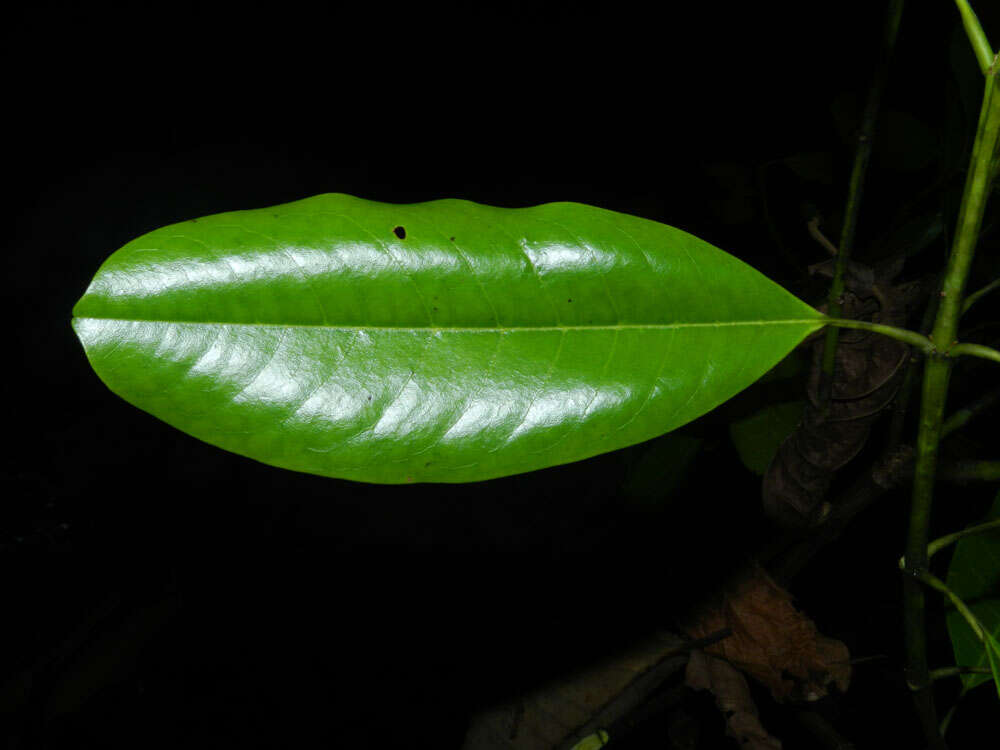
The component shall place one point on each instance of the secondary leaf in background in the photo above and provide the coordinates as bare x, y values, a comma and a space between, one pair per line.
434, 342
758, 436
659, 470
593, 741
974, 577
790, 367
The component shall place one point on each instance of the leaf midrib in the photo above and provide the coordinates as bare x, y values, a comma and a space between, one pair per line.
469, 329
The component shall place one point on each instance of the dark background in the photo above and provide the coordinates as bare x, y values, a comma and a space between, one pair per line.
159, 591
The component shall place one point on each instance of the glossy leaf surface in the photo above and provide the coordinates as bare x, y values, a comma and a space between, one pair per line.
434, 342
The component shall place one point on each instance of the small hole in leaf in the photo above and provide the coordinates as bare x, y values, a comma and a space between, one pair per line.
400, 232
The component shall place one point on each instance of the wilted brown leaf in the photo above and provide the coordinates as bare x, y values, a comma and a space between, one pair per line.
868, 371
772, 641
732, 695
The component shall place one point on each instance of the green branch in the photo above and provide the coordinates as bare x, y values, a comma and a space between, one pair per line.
862, 156
918, 340
937, 584
943, 672
976, 296
962, 416
940, 543
974, 350
977, 37
966, 471
937, 373
990, 644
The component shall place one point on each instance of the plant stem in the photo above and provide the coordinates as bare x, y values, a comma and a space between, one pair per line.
966, 413
921, 342
974, 350
937, 372
980, 471
942, 542
943, 672
976, 296
977, 37
946, 721
862, 156
963, 609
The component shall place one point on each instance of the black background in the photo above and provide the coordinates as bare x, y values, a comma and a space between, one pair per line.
249, 606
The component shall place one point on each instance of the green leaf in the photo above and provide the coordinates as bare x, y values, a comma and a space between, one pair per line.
758, 437
974, 576
660, 469
594, 741
434, 342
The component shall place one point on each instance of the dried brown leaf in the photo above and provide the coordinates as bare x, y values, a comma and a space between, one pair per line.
772, 641
732, 696
868, 371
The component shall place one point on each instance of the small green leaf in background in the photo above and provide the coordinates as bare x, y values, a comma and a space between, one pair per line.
812, 166
974, 577
660, 468
434, 342
593, 741
758, 437
790, 367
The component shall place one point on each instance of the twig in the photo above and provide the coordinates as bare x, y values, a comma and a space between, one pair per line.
937, 584
976, 296
944, 541
975, 350
918, 340
821, 238
937, 373
944, 672
887, 472
980, 45
862, 156
961, 417
968, 471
